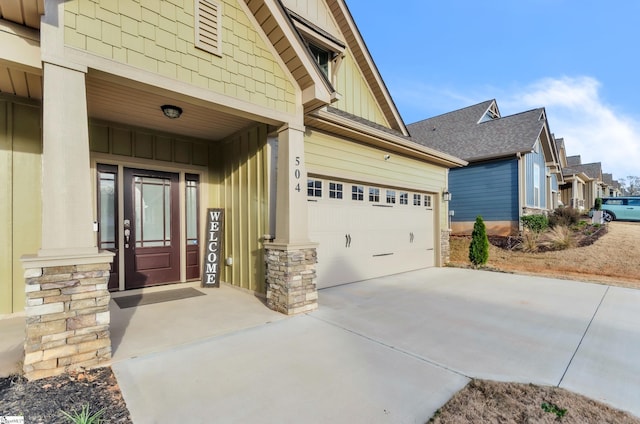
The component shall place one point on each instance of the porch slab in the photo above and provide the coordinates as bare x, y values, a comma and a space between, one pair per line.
12, 344
156, 327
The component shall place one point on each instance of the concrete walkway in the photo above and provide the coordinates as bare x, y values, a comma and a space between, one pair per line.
390, 350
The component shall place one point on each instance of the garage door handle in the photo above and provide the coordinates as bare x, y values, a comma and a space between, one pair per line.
411, 237
347, 238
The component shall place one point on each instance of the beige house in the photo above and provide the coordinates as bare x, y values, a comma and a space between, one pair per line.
122, 124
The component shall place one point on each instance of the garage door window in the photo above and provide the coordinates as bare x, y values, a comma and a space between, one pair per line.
391, 196
357, 193
404, 198
374, 194
417, 199
335, 190
427, 200
314, 188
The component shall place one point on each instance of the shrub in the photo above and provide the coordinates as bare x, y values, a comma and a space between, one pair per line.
566, 217
479, 247
560, 237
535, 223
598, 204
529, 242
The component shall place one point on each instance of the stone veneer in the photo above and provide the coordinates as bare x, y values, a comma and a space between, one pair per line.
445, 246
291, 279
67, 319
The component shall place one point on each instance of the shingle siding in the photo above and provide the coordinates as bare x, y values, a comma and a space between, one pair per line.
489, 189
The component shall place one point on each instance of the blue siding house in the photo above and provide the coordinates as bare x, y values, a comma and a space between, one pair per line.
513, 165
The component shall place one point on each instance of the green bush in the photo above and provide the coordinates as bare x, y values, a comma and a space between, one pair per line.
535, 223
479, 247
598, 204
564, 217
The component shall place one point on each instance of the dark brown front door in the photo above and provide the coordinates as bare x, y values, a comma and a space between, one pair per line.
151, 228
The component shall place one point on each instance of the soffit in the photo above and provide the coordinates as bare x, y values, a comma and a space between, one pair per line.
140, 106
20, 83
23, 12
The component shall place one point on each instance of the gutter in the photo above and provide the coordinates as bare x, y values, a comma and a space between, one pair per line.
387, 140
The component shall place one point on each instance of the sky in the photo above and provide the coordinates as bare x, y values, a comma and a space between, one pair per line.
579, 59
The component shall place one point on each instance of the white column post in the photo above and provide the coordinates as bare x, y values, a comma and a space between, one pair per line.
67, 224
291, 200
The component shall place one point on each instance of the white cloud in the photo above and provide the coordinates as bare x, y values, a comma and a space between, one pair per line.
590, 127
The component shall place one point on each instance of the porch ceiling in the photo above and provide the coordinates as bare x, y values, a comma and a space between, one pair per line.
20, 83
23, 12
140, 107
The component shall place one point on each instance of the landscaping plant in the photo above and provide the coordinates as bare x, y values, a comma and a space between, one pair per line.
479, 247
84, 416
535, 223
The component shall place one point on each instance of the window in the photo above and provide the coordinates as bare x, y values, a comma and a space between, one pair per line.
321, 57
107, 206
335, 190
357, 192
314, 188
374, 194
427, 200
391, 196
191, 200
417, 199
404, 198
208, 19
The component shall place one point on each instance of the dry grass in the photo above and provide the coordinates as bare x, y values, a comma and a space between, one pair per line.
490, 402
613, 260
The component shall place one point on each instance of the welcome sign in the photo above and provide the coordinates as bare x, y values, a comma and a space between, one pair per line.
211, 272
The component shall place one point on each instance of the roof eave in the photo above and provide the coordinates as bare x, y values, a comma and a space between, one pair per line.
376, 137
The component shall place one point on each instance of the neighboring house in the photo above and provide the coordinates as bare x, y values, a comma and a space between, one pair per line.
122, 123
513, 164
613, 188
591, 174
572, 191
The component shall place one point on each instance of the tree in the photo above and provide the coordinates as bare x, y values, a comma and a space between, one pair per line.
630, 185
479, 247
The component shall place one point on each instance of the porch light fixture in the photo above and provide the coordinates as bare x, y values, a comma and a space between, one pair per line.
171, 112
446, 196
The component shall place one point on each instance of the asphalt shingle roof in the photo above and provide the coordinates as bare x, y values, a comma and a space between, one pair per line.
592, 170
459, 133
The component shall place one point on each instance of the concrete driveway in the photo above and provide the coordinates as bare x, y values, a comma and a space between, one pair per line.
395, 349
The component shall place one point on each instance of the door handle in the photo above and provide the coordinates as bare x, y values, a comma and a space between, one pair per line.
347, 240
127, 232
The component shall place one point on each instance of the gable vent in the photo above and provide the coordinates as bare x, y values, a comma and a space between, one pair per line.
208, 26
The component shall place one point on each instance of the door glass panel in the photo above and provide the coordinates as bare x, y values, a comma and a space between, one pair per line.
192, 209
107, 213
152, 211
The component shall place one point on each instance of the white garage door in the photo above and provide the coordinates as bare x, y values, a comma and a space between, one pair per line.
368, 231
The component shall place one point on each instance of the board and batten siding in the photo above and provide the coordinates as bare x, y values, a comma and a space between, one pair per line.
20, 199
333, 157
240, 165
488, 189
530, 159
357, 98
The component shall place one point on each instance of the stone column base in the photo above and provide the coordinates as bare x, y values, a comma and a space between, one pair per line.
445, 246
67, 317
291, 279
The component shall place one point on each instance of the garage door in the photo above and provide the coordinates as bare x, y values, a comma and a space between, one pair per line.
368, 231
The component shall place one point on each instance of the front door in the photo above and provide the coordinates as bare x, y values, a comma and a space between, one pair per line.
151, 228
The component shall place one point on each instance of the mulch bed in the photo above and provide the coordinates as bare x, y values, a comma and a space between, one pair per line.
42, 401
585, 237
